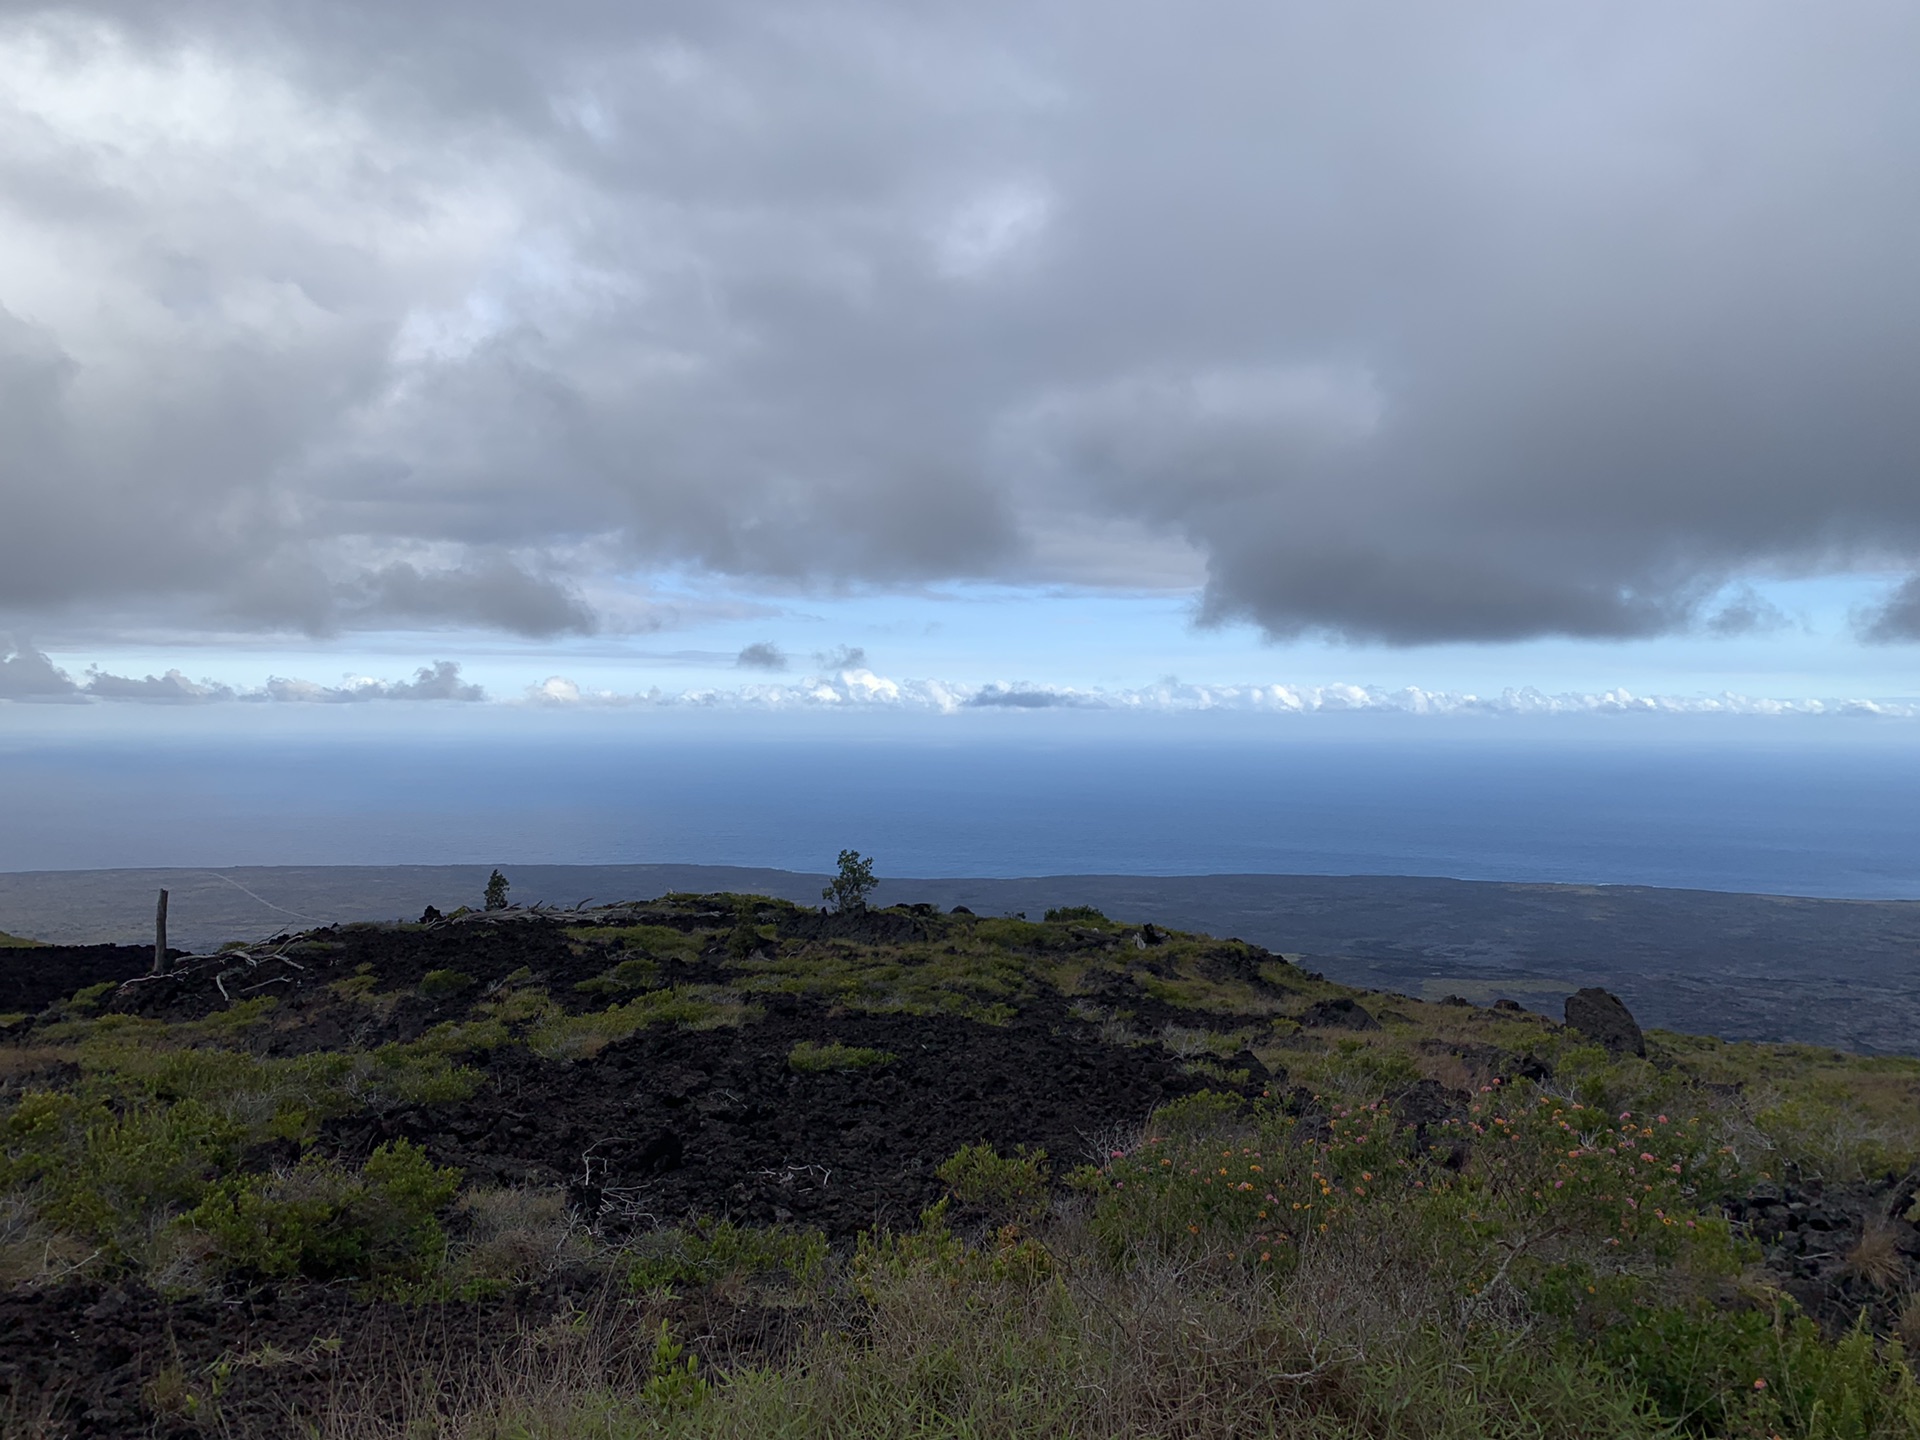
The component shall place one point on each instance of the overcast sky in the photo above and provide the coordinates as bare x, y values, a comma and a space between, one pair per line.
1045, 345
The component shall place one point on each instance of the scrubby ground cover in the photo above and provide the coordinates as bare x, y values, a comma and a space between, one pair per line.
713, 1165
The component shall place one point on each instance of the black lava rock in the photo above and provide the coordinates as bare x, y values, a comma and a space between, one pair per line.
1339, 1013
1599, 1015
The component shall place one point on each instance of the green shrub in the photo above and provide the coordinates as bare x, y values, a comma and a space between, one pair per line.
745, 937
901, 980
358, 986
267, 1098
439, 985
559, 1036
634, 973
240, 1016
150, 1126
325, 1222
1743, 1372
647, 941
405, 1074
885, 1259
809, 1057
1355, 1071
1193, 1196
105, 1174
1014, 1187
1615, 1082
1210, 1113
1818, 1135
1082, 914
674, 1381
720, 1250
87, 1000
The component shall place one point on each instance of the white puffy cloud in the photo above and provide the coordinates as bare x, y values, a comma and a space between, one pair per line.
861, 689
439, 681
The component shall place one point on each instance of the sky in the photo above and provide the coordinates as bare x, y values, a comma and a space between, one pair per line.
779, 357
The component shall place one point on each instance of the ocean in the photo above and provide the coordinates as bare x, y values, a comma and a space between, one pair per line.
1751, 810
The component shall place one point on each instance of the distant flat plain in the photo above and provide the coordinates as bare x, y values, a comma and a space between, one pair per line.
1841, 973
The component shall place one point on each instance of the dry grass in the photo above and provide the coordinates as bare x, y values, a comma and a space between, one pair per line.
428, 1381
27, 1062
1444, 1067
519, 1235
1876, 1256
1906, 1328
32, 1252
1363, 1342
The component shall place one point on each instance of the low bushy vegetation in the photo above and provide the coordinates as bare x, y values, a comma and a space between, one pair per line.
810, 1057
325, 1221
1424, 1221
1228, 1276
718, 1251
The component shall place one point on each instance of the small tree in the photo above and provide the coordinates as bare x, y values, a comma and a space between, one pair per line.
745, 938
849, 889
496, 891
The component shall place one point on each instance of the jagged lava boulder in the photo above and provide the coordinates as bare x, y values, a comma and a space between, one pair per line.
1599, 1015
1339, 1013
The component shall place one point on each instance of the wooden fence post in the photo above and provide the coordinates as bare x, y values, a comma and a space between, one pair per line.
160, 935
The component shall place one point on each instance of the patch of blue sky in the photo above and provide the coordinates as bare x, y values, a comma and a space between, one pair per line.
1084, 640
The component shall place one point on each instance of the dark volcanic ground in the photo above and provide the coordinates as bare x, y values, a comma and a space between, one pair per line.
672, 1122
652, 1130
657, 1128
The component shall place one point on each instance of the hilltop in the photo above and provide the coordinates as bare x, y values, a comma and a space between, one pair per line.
717, 1164
1838, 973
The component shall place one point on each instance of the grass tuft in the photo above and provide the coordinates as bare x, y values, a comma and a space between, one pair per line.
810, 1057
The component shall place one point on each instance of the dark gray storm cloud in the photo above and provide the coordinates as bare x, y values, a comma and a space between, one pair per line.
493, 592
1397, 322
26, 674
1015, 697
761, 655
172, 688
1897, 619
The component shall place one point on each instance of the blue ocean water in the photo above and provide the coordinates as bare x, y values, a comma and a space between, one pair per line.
1839, 819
